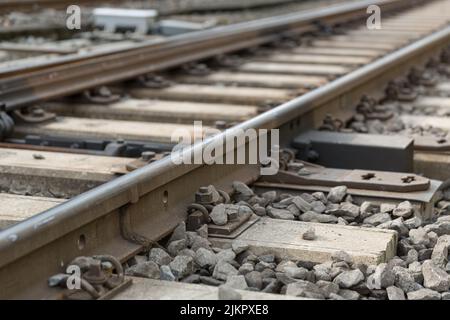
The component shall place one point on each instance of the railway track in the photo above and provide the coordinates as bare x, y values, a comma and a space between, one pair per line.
172, 6
332, 87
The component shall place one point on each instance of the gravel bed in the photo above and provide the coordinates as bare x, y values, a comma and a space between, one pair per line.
420, 271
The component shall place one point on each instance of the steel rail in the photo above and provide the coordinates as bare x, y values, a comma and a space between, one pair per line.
6, 5
156, 195
70, 74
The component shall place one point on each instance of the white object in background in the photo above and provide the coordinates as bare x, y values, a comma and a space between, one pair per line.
174, 27
112, 19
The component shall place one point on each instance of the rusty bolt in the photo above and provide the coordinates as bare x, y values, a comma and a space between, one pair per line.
95, 274
148, 155
204, 195
232, 213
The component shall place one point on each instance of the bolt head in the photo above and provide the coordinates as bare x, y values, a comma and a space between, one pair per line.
204, 195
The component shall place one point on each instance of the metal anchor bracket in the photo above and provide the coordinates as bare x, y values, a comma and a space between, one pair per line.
400, 90
152, 81
206, 198
196, 69
33, 115
419, 76
100, 95
371, 110
91, 278
331, 124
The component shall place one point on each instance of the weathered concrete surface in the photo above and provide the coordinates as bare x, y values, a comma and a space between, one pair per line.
105, 129
16, 208
148, 289
284, 239
156, 110
54, 174
432, 165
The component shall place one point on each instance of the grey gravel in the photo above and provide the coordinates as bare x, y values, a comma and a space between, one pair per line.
166, 274
327, 287
309, 234
424, 294
254, 279
182, 266
227, 293
301, 204
227, 255
349, 279
159, 256
203, 231
200, 242
176, 246
269, 258
237, 282
348, 209
320, 196
305, 289
419, 236
179, 233
445, 296
223, 270
404, 210
341, 256
285, 264
337, 194
282, 214
260, 211
440, 251
187, 252
205, 258
242, 191
395, 293
312, 216
147, 269
405, 280
239, 247
368, 208
387, 207
246, 268
377, 219
296, 272
413, 223
349, 294
318, 206
435, 278
420, 271
218, 215
383, 277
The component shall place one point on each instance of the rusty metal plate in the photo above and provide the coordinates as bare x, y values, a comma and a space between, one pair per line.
236, 231
358, 179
